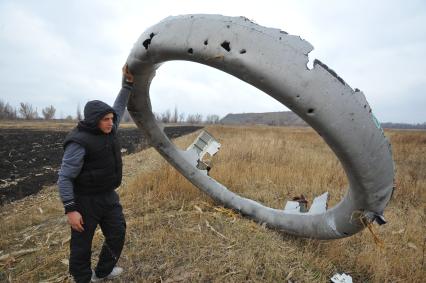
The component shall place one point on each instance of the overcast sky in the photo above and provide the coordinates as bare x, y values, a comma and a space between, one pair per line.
65, 53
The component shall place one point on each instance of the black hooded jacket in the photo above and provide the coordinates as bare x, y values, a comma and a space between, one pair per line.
102, 167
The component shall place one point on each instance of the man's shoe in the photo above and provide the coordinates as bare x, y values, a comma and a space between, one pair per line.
116, 271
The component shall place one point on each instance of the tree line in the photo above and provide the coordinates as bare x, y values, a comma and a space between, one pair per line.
179, 117
27, 111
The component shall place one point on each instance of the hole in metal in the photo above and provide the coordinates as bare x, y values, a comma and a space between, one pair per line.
226, 45
147, 41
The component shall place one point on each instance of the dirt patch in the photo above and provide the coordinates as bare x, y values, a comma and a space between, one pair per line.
31, 158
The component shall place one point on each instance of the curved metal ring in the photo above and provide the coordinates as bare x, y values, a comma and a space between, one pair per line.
275, 63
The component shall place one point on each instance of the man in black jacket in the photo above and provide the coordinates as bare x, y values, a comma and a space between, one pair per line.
91, 170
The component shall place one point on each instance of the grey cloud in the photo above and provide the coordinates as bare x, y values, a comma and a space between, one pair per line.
64, 53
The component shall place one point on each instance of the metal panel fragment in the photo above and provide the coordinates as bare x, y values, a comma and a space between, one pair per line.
276, 63
319, 205
204, 144
292, 206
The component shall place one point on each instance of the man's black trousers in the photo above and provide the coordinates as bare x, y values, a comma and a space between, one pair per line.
103, 209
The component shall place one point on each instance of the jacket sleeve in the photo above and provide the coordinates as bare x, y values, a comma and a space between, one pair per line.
120, 102
72, 162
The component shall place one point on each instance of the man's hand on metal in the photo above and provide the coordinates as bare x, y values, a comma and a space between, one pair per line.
75, 220
127, 75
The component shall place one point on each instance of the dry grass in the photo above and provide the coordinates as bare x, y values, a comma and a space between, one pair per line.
177, 234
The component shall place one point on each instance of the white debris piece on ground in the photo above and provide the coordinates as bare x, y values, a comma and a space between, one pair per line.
341, 278
319, 205
203, 144
292, 206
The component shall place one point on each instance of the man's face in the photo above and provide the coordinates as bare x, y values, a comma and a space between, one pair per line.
105, 124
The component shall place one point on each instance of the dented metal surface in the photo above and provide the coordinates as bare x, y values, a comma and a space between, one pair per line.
276, 63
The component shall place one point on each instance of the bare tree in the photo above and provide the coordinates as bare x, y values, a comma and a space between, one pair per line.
69, 118
157, 116
79, 116
181, 117
198, 118
194, 118
212, 119
27, 111
48, 112
190, 118
7, 111
174, 118
165, 117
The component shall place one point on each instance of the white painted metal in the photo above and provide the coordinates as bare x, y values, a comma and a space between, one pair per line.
275, 63
203, 144
292, 206
319, 204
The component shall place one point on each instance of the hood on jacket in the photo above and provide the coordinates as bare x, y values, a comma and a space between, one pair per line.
94, 111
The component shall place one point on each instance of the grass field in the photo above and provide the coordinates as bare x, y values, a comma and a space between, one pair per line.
177, 234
